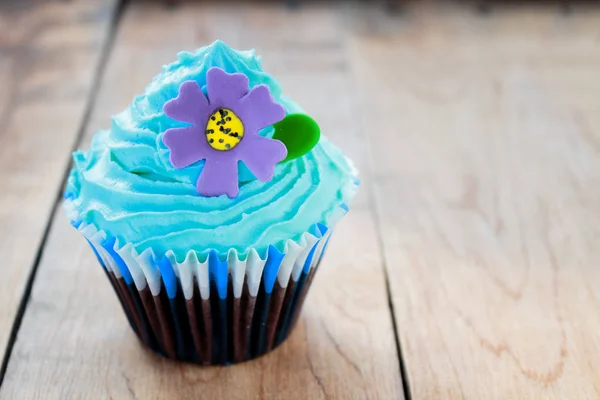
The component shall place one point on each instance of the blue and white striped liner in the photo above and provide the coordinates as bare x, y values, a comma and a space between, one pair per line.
146, 270
245, 305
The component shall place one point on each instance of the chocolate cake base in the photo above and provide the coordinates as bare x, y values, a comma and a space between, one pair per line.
213, 331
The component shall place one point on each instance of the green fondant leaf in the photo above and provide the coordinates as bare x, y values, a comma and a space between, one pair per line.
299, 133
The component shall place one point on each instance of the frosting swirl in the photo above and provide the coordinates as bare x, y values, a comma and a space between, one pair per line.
125, 185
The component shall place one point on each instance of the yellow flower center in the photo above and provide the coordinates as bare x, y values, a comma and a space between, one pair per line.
224, 130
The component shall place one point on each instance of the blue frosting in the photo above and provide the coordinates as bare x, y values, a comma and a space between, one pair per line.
125, 185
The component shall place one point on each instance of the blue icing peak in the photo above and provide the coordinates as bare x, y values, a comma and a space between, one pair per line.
125, 185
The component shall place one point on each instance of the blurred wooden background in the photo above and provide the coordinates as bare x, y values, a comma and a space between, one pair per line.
469, 262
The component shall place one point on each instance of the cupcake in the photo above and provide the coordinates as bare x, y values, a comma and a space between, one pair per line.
209, 204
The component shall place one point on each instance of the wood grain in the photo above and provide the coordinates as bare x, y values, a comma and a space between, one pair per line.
75, 342
48, 55
485, 151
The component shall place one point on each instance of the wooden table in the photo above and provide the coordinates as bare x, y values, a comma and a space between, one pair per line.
468, 267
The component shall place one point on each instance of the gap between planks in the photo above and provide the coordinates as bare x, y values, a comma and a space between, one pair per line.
90, 101
486, 191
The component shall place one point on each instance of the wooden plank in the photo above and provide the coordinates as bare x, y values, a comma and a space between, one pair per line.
486, 158
344, 346
48, 54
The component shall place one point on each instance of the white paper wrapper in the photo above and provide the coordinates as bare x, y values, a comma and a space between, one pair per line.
205, 309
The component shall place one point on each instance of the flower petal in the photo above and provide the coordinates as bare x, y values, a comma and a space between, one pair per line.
190, 105
219, 176
225, 89
261, 154
258, 109
187, 145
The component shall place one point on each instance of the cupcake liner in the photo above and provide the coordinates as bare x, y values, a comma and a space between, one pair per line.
205, 309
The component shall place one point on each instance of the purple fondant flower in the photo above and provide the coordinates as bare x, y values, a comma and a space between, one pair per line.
224, 131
